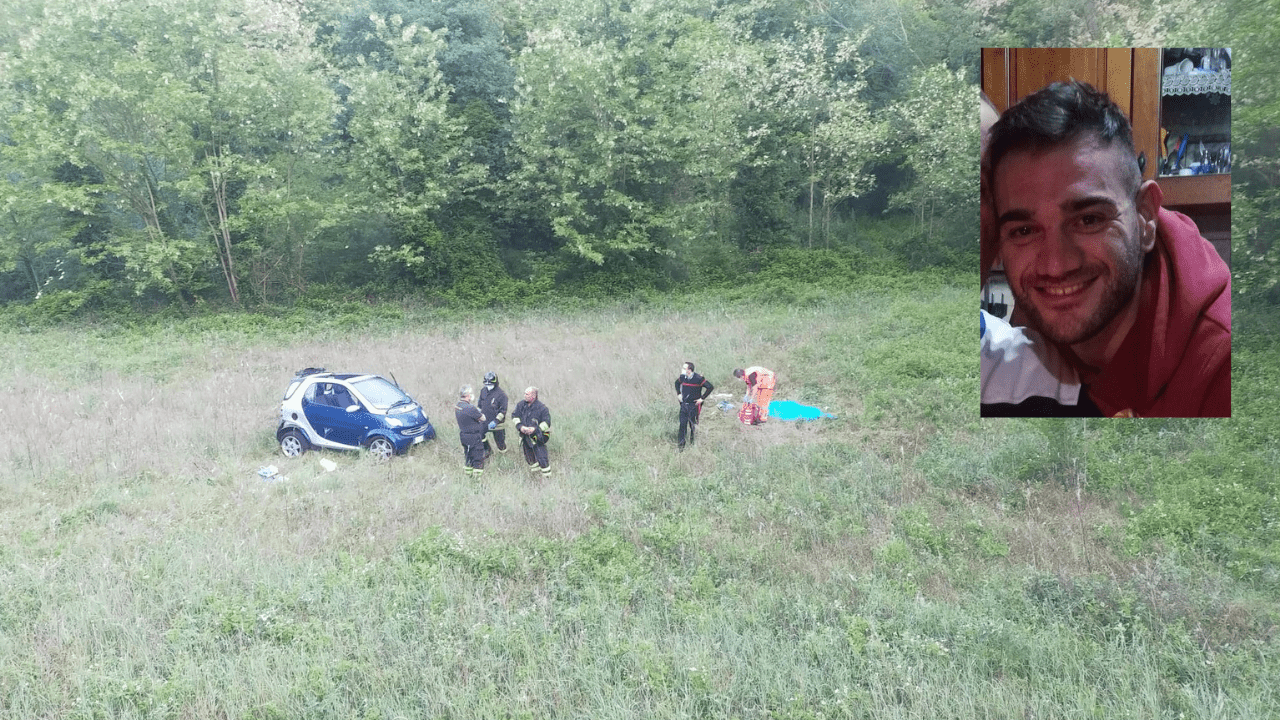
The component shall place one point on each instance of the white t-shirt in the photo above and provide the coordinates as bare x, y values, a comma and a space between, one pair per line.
1018, 364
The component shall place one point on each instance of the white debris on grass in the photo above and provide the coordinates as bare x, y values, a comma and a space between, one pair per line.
271, 473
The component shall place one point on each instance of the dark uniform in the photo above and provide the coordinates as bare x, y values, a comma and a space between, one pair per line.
536, 415
691, 390
471, 429
493, 403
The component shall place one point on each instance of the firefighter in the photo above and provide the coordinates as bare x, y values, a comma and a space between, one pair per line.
493, 403
471, 429
532, 419
691, 389
760, 385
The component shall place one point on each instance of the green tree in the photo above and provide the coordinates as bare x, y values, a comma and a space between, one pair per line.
718, 135
176, 105
647, 131
96, 88
405, 155
1086, 23
813, 88
938, 144
263, 117
1255, 140
38, 220
592, 142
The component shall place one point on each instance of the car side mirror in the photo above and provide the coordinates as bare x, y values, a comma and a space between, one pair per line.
354, 407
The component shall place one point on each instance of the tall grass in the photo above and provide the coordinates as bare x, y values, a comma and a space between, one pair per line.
905, 560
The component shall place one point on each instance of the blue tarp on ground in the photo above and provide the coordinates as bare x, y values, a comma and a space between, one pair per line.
790, 410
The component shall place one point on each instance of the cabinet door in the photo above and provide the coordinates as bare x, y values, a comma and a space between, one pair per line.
1145, 109
1033, 68
1130, 76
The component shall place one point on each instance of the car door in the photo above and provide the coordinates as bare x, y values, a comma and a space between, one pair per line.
325, 406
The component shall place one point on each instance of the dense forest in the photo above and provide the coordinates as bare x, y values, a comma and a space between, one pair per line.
245, 153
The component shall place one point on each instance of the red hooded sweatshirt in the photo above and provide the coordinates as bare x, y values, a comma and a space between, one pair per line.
1176, 360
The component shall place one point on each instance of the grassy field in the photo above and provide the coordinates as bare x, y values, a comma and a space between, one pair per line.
905, 560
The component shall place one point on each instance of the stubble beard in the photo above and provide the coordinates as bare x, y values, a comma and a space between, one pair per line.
1117, 294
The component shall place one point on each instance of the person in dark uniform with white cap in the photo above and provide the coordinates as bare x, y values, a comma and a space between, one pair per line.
493, 403
691, 389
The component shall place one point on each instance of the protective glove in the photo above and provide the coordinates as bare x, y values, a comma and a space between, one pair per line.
492, 424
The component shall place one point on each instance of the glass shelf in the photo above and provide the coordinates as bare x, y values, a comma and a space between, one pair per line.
1195, 112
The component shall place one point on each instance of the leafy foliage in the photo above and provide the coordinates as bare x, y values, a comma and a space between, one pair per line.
1226, 506
177, 117
244, 152
939, 146
1255, 210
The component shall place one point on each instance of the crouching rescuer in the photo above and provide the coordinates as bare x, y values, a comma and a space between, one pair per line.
532, 419
471, 430
761, 383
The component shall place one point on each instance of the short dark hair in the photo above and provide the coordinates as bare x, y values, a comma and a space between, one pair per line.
686, 362
739, 372
1061, 113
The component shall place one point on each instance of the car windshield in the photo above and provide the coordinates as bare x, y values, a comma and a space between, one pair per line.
381, 393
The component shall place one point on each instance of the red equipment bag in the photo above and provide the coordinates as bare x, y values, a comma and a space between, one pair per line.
749, 414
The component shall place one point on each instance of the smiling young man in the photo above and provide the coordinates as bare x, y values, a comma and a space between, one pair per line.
1136, 301
1021, 373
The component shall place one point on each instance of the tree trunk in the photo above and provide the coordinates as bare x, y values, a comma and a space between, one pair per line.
813, 164
811, 184
35, 279
929, 233
222, 234
826, 221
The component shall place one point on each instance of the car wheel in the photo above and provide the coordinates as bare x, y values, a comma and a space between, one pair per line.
382, 447
292, 444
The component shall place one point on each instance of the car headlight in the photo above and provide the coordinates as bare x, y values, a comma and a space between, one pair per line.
394, 422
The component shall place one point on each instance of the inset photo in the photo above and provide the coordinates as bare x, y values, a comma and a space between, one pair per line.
1106, 232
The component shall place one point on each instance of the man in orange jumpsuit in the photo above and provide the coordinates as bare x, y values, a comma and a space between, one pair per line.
760, 385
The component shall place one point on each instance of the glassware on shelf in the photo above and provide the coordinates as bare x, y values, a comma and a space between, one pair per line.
1195, 111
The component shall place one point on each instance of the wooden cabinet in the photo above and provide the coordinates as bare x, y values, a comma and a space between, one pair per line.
1131, 76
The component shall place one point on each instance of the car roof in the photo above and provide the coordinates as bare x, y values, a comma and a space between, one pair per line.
345, 377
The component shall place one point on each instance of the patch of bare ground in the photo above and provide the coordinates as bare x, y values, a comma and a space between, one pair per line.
734, 437
852, 554
938, 586
1215, 619
1055, 533
368, 515
897, 444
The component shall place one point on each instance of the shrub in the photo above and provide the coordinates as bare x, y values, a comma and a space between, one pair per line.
914, 524
1224, 503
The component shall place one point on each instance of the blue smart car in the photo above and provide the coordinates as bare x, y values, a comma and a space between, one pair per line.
336, 411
